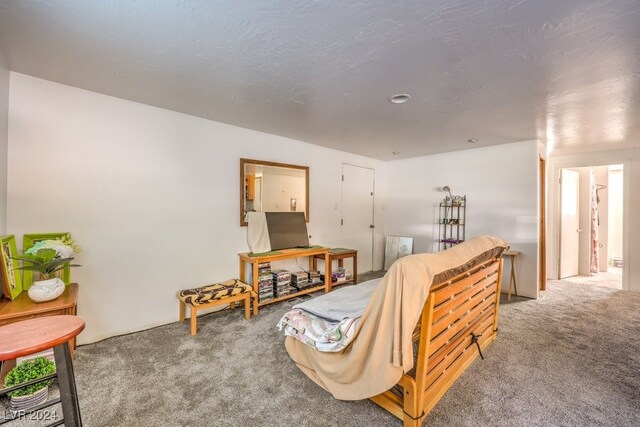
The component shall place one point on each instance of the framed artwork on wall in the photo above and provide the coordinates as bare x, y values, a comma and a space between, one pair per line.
28, 240
11, 279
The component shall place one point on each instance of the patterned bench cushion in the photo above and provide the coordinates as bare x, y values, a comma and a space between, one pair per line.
216, 291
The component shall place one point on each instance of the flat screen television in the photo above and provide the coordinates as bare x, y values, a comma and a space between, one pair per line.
287, 230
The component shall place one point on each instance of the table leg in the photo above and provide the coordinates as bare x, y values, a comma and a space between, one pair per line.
355, 269
183, 309
510, 280
254, 276
243, 272
193, 320
7, 365
67, 385
327, 273
247, 306
513, 274
315, 263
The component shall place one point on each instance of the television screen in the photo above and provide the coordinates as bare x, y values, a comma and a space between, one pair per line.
287, 230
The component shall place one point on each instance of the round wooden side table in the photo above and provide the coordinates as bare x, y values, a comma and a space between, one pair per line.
38, 334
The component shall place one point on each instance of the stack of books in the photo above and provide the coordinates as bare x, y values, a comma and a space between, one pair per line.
314, 278
300, 280
337, 276
281, 283
265, 282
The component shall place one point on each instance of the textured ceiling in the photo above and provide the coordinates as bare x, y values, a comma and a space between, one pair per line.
565, 72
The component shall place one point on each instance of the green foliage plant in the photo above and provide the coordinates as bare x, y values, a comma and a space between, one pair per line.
27, 371
45, 262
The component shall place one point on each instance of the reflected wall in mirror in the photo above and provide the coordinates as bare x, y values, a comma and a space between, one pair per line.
273, 187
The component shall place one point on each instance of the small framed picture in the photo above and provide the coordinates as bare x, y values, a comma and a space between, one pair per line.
293, 204
11, 279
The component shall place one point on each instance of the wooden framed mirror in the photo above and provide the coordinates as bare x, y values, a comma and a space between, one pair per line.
273, 187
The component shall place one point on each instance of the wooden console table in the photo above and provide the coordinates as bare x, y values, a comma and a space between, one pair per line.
22, 308
340, 254
255, 259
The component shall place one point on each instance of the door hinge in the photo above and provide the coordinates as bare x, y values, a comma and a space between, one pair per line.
342, 222
343, 177
372, 193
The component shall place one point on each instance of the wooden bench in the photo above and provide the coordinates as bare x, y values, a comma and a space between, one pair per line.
228, 292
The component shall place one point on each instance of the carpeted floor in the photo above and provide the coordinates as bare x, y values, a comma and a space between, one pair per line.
611, 278
572, 358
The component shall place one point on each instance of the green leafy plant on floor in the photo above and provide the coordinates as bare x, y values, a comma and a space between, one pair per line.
27, 371
46, 262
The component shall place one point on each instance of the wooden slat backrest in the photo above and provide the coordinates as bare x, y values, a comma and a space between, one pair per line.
450, 304
458, 309
461, 325
463, 309
437, 356
464, 304
442, 384
445, 289
462, 344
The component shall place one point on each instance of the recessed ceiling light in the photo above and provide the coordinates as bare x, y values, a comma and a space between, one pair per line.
400, 98
472, 140
396, 152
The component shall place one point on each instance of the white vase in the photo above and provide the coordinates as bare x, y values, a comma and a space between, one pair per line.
46, 290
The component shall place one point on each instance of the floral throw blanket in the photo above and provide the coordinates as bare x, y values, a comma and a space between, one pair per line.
319, 333
328, 323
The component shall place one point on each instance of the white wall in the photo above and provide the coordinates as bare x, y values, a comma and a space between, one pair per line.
501, 185
151, 195
616, 195
4, 126
630, 158
279, 189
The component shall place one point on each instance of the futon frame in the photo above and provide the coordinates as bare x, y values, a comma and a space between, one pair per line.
458, 321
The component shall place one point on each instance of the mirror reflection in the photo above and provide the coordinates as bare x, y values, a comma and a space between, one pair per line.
273, 187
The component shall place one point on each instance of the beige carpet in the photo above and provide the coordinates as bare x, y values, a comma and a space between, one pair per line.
611, 278
571, 358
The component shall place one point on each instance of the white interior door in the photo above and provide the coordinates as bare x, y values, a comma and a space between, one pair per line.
357, 213
569, 223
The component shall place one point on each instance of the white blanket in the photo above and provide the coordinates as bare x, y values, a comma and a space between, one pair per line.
346, 302
328, 323
257, 232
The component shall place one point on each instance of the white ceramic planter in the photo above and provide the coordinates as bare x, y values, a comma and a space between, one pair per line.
24, 403
46, 290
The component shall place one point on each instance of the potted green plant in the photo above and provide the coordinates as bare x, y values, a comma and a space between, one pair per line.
32, 395
46, 262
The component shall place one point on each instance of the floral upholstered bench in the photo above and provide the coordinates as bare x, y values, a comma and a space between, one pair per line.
216, 294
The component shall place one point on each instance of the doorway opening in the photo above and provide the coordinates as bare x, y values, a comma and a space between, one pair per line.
591, 232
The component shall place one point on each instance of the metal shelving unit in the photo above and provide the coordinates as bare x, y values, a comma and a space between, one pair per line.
452, 222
